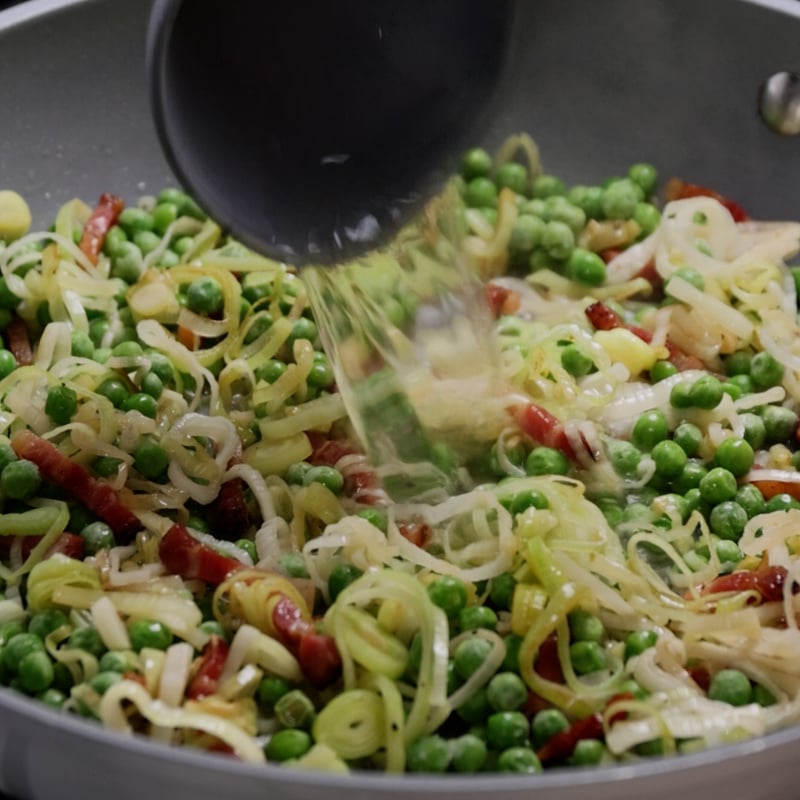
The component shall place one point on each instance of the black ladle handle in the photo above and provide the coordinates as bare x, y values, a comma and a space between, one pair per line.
314, 129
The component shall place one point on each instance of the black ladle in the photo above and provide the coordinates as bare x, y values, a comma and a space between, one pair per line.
313, 129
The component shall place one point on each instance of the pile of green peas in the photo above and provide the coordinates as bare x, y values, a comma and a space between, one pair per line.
690, 474
27, 666
551, 216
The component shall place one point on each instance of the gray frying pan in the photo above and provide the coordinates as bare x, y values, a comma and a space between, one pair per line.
599, 85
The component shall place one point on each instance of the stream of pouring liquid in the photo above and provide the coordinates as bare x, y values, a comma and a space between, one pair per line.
409, 333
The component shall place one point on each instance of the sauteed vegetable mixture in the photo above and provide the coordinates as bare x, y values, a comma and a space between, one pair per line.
195, 547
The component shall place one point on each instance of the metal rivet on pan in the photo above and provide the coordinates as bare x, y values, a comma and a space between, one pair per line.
779, 103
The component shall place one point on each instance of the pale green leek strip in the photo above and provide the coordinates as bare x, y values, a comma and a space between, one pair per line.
430, 694
60, 572
373, 648
175, 610
318, 413
564, 598
273, 458
352, 724
112, 714
599, 691
394, 721
57, 513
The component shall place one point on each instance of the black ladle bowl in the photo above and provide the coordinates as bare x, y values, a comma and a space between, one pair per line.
314, 129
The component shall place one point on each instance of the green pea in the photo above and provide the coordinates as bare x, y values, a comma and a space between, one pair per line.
547, 186
20, 479
287, 744
763, 696
530, 498
164, 214
736, 455
149, 633
526, 234
468, 753
9, 630
7, 455
718, 485
119, 661
749, 497
559, 209
106, 466
742, 382
476, 163
501, 590
738, 363
649, 429
8, 363
620, 199
639, 641
341, 576
690, 477
589, 199
270, 370
624, 457
558, 240
706, 392
104, 680
141, 402
765, 370
16, 648
61, 404
780, 423
645, 175
146, 241
320, 375
506, 691
97, 536
303, 329
150, 459
295, 710
271, 689
114, 390
506, 729
518, 760
781, 502
474, 617
481, 192
587, 752
662, 370
688, 437
586, 627
133, 219
152, 385
731, 686
293, 564
546, 461
728, 551
428, 754
469, 655
670, 459
680, 395
546, 724
329, 477
755, 431
375, 517
43, 623
647, 217
575, 361
81, 345
35, 672
586, 267
448, 593
587, 657
512, 176
204, 296
296, 473
126, 263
